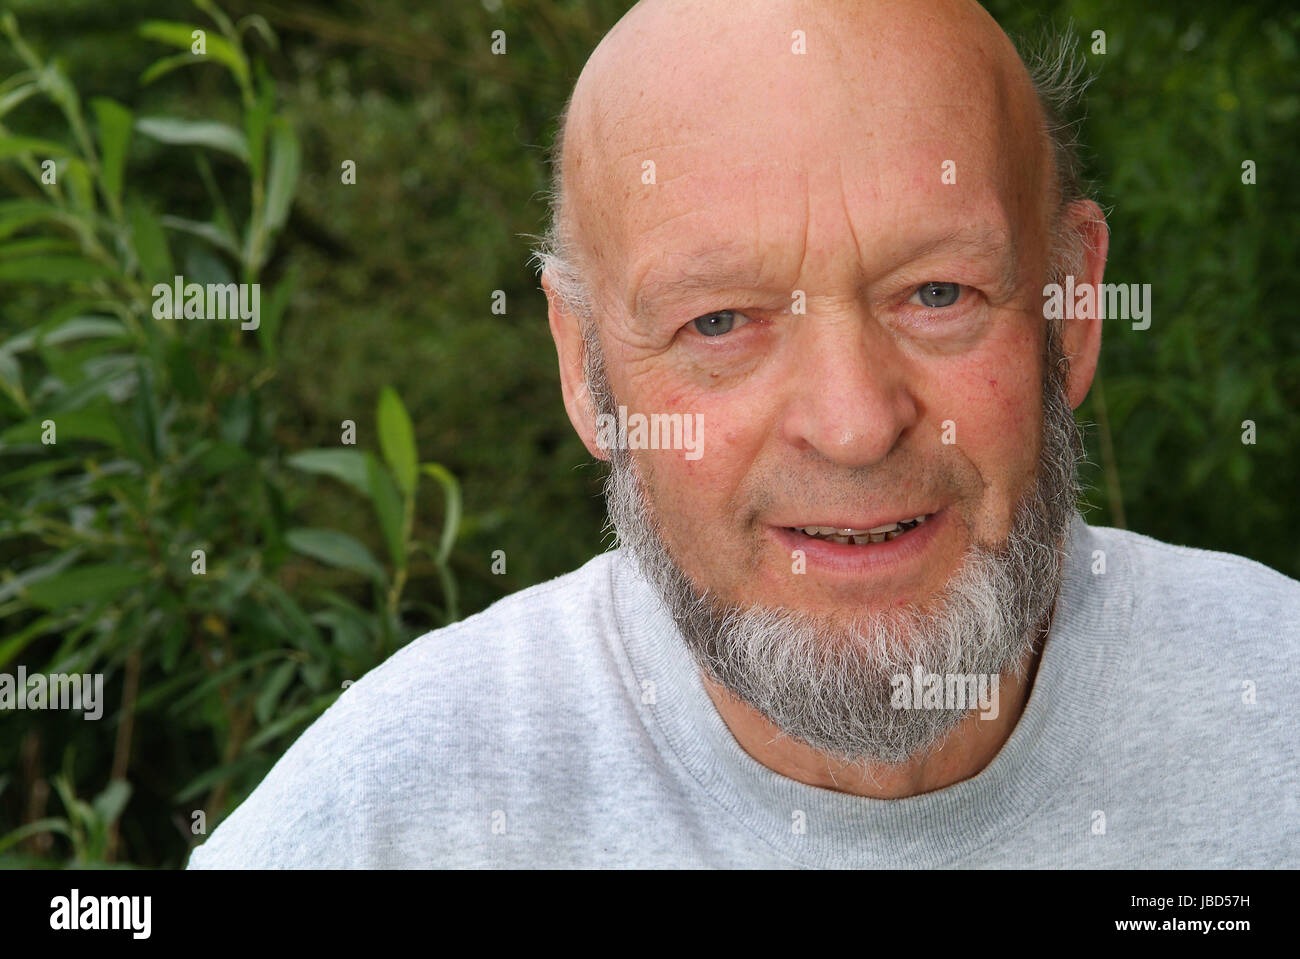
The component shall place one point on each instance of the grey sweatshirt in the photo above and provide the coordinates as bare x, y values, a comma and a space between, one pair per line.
567, 726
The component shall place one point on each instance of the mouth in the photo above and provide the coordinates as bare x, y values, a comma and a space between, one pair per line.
851, 536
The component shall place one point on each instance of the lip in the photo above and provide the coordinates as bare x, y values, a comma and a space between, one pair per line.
858, 523
873, 560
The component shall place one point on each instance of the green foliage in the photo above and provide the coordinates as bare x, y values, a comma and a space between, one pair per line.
229, 440
1183, 95
148, 503
88, 826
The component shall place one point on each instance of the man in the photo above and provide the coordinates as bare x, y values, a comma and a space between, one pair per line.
798, 282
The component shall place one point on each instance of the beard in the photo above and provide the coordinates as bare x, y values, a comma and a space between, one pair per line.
831, 685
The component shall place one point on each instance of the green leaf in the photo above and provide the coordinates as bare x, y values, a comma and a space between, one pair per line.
73, 328
13, 585
11, 373
81, 190
164, 66
17, 214
13, 645
335, 548
53, 269
216, 46
349, 634
114, 138
239, 768
211, 232
82, 328
150, 243
286, 159
300, 716
109, 804
256, 119
388, 507
270, 695
146, 411
299, 629
214, 680
20, 146
451, 520
208, 133
273, 307
84, 584
94, 423
93, 395
38, 470
17, 95
397, 439
219, 16
79, 811
349, 466
38, 244
258, 23
59, 825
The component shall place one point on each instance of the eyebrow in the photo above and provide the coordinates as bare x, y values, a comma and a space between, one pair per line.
710, 271
984, 240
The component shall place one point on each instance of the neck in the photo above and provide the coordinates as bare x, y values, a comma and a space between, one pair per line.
970, 747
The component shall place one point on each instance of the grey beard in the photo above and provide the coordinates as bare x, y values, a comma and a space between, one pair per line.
831, 687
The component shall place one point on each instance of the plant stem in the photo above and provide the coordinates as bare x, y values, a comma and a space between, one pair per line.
122, 748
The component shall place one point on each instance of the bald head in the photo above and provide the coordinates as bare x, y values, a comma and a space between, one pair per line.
673, 85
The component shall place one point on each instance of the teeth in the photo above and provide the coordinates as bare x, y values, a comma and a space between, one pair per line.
861, 537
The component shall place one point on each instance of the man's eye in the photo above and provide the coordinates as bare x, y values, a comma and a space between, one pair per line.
716, 324
936, 294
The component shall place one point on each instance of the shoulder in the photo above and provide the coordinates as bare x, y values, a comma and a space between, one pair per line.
1205, 590
426, 718
535, 628
1201, 728
1212, 652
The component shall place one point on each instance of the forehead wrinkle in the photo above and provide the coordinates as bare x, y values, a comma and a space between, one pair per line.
976, 239
713, 258
979, 240
710, 269
720, 269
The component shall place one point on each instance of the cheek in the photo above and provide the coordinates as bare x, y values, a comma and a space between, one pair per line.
999, 420
701, 504
1004, 407
700, 487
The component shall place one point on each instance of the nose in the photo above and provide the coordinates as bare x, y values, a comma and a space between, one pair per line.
850, 401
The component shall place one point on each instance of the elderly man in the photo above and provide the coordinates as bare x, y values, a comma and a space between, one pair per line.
798, 277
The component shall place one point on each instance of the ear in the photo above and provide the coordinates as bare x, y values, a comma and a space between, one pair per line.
566, 330
1086, 231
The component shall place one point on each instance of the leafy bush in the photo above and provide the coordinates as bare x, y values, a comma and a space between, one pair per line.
397, 273
146, 499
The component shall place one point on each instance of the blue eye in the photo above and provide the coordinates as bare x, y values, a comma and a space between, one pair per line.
937, 294
716, 324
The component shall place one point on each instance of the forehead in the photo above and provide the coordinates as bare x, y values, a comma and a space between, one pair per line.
719, 218
723, 140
